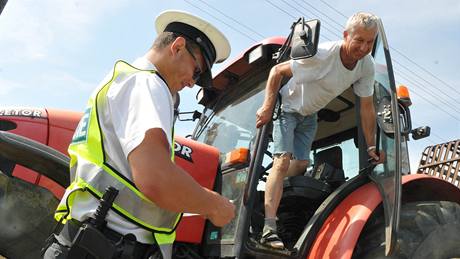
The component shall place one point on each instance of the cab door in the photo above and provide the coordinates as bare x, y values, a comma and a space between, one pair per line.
387, 176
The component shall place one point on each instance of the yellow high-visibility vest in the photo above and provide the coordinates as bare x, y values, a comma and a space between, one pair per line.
95, 174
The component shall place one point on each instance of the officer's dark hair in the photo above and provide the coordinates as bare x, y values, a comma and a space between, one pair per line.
165, 38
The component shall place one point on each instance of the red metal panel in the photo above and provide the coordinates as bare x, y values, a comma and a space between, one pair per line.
31, 123
340, 232
62, 125
201, 162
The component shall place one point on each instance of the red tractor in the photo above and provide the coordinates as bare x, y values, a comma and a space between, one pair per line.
343, 207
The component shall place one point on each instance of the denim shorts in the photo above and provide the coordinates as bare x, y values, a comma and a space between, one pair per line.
294, 133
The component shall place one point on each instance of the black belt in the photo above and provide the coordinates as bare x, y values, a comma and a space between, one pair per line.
122, 242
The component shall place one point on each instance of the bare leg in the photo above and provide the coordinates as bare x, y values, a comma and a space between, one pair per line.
273, 193
282, 167
274, 185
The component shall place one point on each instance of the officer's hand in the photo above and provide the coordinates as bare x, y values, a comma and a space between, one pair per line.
223, 213
263, 116
377, 158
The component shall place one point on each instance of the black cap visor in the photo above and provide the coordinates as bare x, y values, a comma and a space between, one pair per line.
207, 48
205, 79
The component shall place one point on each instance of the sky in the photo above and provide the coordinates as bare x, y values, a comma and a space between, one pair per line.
53, 52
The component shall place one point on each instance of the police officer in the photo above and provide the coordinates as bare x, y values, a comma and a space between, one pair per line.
125, 140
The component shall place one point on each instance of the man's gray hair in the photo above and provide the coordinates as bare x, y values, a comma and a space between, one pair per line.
364, 20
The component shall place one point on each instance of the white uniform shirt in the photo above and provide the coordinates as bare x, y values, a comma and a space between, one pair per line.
134, 105
321, 78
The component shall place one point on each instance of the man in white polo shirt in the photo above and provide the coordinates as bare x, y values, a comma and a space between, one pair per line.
314, 83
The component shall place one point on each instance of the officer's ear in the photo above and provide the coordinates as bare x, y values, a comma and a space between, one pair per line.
177, 45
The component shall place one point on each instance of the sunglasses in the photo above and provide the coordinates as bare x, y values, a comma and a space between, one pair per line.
197, 72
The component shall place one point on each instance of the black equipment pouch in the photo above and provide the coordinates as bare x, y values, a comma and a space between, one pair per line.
89, 237
93, 241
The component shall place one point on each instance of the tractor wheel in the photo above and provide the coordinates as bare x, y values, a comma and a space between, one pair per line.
428, 229
26, 218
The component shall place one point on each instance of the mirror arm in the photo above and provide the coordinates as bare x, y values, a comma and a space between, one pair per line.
405, 112
196, 115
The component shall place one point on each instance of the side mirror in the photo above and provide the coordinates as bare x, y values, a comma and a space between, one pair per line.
302, 41
305, 39
421, 132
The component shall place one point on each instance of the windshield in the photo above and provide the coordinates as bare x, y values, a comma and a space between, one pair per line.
233, 125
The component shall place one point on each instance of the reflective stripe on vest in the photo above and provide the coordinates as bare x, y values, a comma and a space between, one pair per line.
89, 170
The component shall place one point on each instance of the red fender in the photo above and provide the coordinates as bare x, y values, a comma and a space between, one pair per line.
48, 126
338, 236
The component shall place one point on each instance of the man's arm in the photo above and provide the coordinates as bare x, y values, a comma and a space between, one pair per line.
368, 122
170, 187
277, 73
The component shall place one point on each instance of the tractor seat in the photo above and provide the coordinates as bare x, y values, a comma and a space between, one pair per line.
327, 174
305, 186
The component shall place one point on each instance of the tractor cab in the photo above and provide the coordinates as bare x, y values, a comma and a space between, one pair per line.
342, 206
339, 153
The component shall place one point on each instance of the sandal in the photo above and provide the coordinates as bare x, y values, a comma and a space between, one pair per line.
271, 239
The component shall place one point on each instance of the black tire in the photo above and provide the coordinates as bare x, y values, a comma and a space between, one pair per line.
428, 229
26, 218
